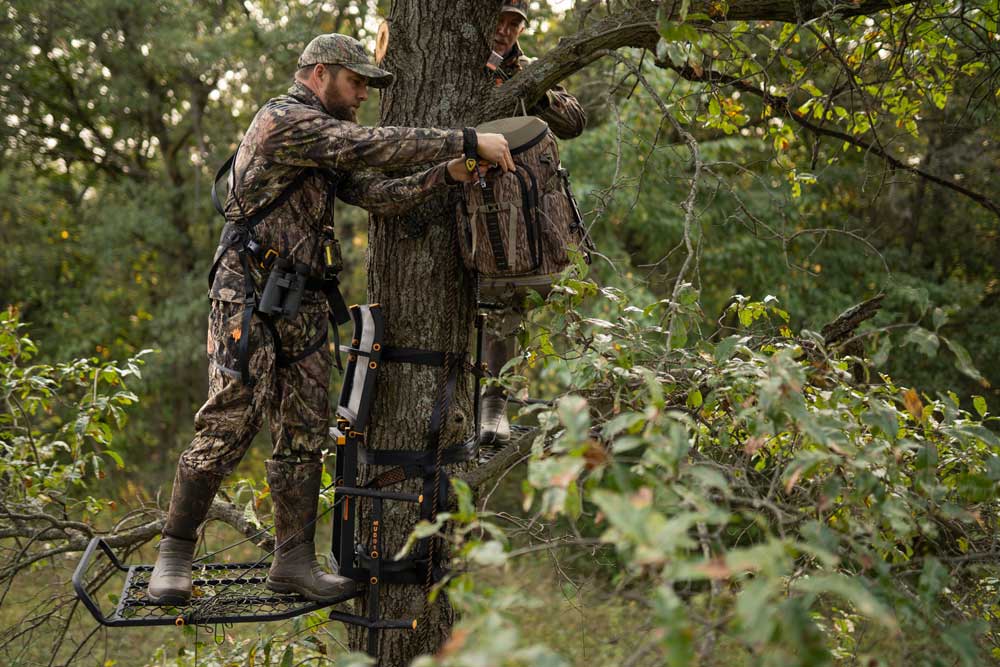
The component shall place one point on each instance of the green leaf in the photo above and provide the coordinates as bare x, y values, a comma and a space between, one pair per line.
917, 296
678, 32
597, 322
694, 399
116, 457
940, 318
963, 361
573, 505
288, 657
466, 506
925, 340
725, 348
623, 422
488, 553
882, 353
883, 417
980, 404
678, 333
575, 416
250, 515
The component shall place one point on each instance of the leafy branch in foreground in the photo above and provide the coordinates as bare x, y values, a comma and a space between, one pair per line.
762, 504
58, 424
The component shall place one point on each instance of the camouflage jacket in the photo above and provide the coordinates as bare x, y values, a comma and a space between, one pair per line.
558, 108
292, 133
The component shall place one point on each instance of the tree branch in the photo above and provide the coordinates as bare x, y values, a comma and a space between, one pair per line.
76, 536
637, 27
784, 104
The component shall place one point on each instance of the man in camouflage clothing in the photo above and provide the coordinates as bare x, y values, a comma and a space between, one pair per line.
567, 120
562, 111
302, 149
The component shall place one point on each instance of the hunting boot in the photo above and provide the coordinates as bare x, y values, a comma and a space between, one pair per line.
494, 427
192, 495
295, 494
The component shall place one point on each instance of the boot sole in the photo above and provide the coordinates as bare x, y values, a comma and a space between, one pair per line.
288, 587
492, 439
174, 599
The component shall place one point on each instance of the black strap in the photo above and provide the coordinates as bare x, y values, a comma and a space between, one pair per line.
441, 407
239, 233
422, 457
249, 305
284, 361
491, 215
226, 166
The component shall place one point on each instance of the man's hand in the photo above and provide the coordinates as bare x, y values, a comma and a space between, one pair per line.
493, 148
457, 170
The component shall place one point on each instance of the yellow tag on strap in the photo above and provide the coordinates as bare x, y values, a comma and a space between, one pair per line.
470, 164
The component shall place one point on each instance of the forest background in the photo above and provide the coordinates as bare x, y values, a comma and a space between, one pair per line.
856, 160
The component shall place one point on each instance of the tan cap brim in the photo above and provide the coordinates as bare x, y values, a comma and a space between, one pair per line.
516, 10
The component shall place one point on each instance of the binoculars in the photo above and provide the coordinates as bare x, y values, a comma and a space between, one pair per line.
282, 294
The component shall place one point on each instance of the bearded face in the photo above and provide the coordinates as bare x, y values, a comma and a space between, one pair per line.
342, 91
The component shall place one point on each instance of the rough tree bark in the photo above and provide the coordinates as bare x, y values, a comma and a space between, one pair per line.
437, 49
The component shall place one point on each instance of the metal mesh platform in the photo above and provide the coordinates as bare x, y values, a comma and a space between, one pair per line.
222, 593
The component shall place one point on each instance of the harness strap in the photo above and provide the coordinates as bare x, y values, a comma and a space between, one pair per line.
247, 224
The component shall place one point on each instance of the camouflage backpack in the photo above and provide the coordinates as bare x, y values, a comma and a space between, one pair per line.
522, 223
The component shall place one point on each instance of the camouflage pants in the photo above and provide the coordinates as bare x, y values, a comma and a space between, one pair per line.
294, 398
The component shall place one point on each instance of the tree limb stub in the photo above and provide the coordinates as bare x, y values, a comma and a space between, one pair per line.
637, 27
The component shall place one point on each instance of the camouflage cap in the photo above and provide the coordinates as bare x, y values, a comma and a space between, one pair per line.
516, 6
334, 49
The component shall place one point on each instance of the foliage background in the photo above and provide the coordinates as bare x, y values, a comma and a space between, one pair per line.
115, 115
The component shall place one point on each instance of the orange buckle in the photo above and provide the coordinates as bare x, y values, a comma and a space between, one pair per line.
269, 258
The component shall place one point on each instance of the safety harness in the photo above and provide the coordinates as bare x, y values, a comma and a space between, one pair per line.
281, 295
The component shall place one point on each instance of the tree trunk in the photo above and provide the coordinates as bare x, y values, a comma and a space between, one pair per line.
437, 49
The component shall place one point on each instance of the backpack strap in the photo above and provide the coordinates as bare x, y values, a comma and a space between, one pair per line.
226, 167
490, 215
512, 232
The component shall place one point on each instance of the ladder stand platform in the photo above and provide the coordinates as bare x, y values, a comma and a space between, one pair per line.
222, 593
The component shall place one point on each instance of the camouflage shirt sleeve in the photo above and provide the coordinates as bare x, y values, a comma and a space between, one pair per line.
382, 195
562, 111
302, 136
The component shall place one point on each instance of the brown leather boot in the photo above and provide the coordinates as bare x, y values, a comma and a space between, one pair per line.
190, 499
295, 494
